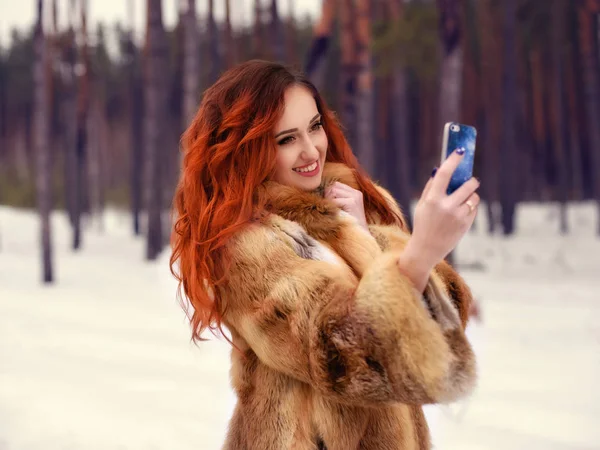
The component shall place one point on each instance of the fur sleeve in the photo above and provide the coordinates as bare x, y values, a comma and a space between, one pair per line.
394, 237
360, 342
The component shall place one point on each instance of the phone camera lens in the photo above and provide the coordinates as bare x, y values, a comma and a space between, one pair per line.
455, 128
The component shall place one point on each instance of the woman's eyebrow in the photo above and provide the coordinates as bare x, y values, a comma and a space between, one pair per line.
296, 129
315, 118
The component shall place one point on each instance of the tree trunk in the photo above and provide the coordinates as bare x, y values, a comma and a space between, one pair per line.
452, 63
97, 150
382, 92
573, 109
137, 115
508, 194
546, 161
560, 128
382, 88
527, 136
522, 132
214, 54
154, 129
191, 64
23, 169
471, 105
348, 79
451, 70
229, 39
491, 131
97, 135
588, 44
41, 136
427, 127
80, 188
135, 111
258, 38
399, 166
3, 127
322, 31
104, 164
365, 108
291, 35
69, 108
81, 198
277, 34
3, 115
471, 80
540, 129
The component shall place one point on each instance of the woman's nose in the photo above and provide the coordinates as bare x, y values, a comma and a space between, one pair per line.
310, 150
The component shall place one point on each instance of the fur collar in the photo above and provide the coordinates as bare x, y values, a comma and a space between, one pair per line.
319, 216
334, 172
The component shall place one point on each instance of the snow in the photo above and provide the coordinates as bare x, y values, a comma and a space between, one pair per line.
103, 360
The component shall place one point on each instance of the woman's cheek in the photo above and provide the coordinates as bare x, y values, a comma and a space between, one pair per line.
322, 142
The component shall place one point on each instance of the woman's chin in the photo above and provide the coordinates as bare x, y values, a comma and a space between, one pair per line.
308, 184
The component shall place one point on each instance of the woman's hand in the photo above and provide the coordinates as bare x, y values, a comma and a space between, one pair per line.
440, 221
348, 199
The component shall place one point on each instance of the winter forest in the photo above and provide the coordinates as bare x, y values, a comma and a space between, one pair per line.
91, 115
82, 127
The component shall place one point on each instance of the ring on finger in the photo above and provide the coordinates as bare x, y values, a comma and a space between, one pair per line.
471, 205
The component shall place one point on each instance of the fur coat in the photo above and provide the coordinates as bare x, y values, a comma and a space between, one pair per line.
336, 349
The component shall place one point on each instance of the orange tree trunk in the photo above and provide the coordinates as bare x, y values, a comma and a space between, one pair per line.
588, 44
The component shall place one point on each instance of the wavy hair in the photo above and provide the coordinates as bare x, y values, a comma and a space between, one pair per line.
228, 152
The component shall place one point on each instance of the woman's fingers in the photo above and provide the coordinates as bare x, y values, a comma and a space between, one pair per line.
341, 187
342, 190
471, 204
344, 203
461, 195
349, 200
444, 173
441, 220
339, 196
427, 187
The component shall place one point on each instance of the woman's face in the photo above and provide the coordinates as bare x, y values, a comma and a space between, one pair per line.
301, 141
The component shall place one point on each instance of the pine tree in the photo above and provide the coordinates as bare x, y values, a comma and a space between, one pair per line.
41, 137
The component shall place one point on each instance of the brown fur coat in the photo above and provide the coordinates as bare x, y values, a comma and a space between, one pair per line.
338, 350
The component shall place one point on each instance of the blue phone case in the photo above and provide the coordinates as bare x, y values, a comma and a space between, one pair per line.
457, 135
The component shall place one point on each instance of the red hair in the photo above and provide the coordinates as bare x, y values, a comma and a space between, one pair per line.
228, 152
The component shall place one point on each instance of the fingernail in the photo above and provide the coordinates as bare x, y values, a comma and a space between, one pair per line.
433, 172
460, 151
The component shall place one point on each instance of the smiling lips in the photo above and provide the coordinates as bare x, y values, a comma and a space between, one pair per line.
308, 171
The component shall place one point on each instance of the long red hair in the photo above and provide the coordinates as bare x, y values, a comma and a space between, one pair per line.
228, 151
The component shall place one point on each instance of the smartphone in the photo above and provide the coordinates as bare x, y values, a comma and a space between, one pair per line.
457, 135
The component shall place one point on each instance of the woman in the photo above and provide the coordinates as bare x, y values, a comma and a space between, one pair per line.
343, 325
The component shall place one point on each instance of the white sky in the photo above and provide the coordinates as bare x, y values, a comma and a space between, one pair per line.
21, 13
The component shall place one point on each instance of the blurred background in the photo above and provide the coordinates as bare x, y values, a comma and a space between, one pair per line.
94, 95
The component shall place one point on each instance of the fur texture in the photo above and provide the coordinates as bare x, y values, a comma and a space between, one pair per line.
335, 348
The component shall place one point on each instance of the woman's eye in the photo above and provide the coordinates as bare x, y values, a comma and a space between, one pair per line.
286, 140
317, 126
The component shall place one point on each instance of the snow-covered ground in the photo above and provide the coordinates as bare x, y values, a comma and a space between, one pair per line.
102, 360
